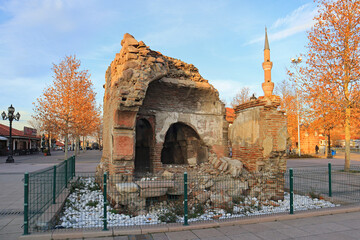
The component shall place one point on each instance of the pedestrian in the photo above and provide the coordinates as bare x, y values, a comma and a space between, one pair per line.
317, 149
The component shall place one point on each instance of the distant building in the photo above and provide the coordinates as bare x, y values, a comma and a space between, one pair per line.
24, 142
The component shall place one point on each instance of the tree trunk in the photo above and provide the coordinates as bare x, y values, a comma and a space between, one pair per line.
66, 146
76, 146
84, 145
347, 139
329, 154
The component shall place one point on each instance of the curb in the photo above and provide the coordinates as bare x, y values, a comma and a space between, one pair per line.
169, 228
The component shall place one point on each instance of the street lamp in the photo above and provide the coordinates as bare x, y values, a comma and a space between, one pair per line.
296, 62
11, 117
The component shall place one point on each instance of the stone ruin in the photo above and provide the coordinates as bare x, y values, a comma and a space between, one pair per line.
161, 118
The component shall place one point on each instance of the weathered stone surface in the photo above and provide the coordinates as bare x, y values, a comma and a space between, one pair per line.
156, 184
192, 161
127, 187
152, 192
202, 197
167, 175
220, 199
182, 124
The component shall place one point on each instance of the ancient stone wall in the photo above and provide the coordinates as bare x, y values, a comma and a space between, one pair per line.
259, 135
162, 118
144, 85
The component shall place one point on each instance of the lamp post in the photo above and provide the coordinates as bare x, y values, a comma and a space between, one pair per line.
11, 117
296, 62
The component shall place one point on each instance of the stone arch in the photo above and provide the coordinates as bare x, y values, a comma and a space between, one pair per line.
183, 145
144, 137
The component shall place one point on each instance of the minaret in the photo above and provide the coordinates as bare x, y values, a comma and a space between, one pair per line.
267, 86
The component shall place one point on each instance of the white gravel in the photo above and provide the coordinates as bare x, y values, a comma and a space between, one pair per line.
84, 208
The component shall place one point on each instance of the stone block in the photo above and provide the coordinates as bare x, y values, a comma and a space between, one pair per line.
202, 197
220, 199
156, 184
127, 187
152, 192
192, 161
127, 198
167, 175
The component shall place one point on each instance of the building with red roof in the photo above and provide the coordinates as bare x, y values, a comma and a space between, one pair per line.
24, 142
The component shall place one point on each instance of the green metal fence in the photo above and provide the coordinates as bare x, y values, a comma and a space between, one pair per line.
44, 195
108, 201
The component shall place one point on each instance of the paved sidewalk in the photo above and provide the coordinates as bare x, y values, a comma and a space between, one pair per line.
339, 226
12, 188
344, 226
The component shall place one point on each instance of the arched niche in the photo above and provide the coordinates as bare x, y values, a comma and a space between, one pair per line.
183, 145
144, 136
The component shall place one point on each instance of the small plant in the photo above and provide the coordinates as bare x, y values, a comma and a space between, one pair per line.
168, 217
197, 210
114, 211
229, 208
313, 194
94, 187
78, 184
178, 209
92, 203
238, 199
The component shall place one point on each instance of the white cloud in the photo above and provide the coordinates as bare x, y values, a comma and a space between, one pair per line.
229, 88
299, 20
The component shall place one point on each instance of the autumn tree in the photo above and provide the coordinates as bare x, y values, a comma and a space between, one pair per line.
241, 97
332, 73
68, 105
286, 90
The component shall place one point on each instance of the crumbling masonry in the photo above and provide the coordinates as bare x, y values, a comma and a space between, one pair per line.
159, 113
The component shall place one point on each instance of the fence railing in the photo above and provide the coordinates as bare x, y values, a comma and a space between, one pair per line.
43, 189
106, 201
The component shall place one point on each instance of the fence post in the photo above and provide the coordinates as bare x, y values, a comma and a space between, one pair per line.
73, 166
54, 185
66, 172
26, 203
329, 169
105, 202
291, 191
185, 200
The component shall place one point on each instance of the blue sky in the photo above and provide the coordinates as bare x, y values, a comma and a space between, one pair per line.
223, 39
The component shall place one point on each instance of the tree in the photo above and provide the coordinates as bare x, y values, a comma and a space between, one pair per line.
332, 73
241, 97
286, 91
68, 105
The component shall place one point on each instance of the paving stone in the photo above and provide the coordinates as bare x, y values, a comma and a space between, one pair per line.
275, 225
231, 230
121, 238
355, 224
245, 236
206, 233
335, 236
293, 232
159, 236
253, 228
272, 235
352, 233
182, 235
